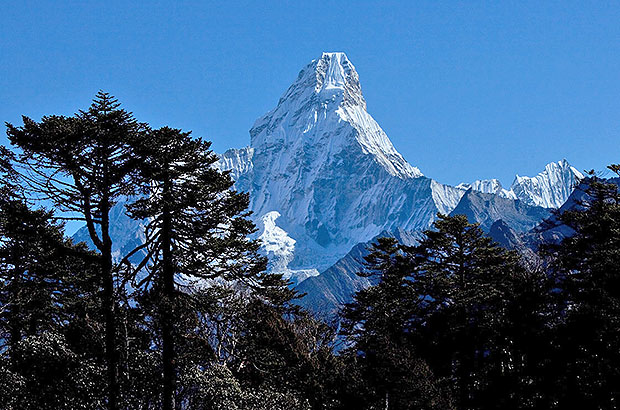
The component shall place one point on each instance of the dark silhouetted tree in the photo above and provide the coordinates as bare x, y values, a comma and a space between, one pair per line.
197, 229
83, 165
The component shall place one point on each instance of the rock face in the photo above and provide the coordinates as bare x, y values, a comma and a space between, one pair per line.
503, 234
334, 287
486, 209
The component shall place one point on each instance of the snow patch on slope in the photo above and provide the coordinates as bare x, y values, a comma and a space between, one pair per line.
279, 248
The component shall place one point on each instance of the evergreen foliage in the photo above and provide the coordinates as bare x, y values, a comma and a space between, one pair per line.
190, 318
84, 164
588, 267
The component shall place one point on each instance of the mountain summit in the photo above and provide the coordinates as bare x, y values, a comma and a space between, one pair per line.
549, 189
330, 172
323, 176
322, 114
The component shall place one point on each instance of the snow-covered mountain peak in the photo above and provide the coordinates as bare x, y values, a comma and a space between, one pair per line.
548, 189
323, 164
554, 168
488, 186
336, 78
332, 72
330, 81
322, 116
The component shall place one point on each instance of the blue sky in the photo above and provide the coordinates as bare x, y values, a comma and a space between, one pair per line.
465, 90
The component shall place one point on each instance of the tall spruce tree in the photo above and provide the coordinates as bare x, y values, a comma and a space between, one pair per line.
84, 165
461, 274
380, 325
588, 266
197, 229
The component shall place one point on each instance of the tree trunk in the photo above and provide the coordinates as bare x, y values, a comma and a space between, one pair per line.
111, 353
167, 304
15, 311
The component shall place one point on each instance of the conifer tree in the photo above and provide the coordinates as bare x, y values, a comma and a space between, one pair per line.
284, 348
518, 371
461, 272
588, 266
380, 324
84, 165
30, 258
45, 283
198, 228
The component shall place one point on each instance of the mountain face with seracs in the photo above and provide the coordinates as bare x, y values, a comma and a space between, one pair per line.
549, 189
322, 163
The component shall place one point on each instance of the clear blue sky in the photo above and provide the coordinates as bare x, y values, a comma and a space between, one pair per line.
465, 90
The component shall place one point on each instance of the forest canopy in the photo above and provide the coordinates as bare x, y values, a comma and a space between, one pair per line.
190, 318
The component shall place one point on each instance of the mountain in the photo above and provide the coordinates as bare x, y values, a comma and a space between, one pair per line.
326, 167
486, 209
549, 189
324, 179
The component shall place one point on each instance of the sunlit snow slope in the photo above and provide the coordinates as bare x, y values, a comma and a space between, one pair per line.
323, 163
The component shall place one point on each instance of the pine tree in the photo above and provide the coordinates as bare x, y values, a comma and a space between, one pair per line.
198, 229
380, 324
588, 266
84, 165
461, 273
